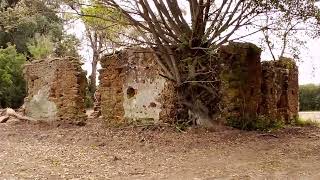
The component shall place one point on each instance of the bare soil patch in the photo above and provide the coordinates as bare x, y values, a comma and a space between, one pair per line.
41, 151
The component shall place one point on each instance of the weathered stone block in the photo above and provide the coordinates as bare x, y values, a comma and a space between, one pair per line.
280, 89
56, 90
129, 83
241, 79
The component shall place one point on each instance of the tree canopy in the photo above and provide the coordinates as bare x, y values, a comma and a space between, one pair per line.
309, 97
26, 23
21, 22
102, 36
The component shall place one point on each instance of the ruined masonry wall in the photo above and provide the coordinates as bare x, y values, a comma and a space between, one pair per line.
131, 88
110, 89
241, 79
253, 88
56, 90
280, 88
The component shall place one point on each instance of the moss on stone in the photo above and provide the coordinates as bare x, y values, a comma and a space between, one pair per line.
283, 62
287, 63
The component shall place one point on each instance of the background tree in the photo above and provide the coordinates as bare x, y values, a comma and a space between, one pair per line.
309, 97
28, 22
41, 47
20, 23
32, 28
68, 46
102, 35
287, 33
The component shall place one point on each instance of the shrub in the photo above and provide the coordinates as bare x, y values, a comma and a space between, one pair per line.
41, 47
12, 83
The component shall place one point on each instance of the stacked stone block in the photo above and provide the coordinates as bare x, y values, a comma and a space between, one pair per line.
97, 104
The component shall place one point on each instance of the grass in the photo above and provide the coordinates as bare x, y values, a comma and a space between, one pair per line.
306, 122
259, 123
263, 123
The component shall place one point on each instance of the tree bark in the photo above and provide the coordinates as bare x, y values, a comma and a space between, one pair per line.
93, 75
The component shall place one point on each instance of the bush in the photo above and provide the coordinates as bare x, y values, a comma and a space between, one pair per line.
41, 47
12, 83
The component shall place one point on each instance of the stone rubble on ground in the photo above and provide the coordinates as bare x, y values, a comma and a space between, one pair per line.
9, 113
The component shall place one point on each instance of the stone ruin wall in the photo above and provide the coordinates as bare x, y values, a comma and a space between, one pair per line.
280, 89
254, 88
56, 90
241, 79
132, 90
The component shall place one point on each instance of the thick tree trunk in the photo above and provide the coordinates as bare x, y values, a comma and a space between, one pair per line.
198, 95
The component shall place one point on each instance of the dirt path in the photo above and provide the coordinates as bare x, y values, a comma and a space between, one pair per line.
94, 152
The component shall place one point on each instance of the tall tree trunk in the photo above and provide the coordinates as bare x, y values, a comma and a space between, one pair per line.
93, 76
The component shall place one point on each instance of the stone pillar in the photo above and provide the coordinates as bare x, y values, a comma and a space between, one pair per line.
97, 104
241, 78
280, 89
111, 78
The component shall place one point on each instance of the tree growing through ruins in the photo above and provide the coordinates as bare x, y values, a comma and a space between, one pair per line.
182, 32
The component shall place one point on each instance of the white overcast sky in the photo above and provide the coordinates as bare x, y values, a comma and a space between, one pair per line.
309, 67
